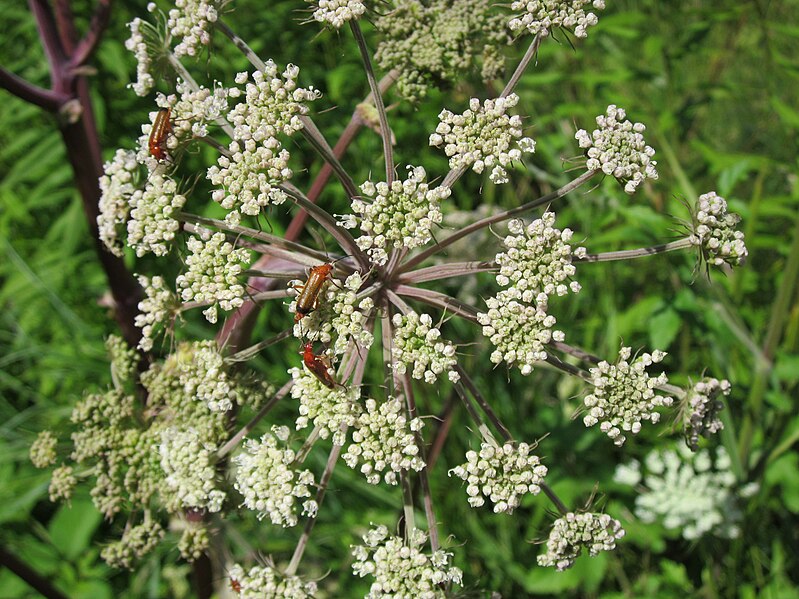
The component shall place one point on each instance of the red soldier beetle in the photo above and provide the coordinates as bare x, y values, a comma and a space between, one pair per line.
319, 366
235, 585
308, 299
162, 127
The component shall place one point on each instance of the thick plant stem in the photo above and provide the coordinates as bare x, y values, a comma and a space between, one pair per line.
41, 584
385, 132
496, 218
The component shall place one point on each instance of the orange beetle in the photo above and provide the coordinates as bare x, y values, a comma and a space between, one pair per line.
235, 585
308, 299
319, 366
162, 126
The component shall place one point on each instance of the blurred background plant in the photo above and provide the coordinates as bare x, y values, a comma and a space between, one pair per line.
716, 84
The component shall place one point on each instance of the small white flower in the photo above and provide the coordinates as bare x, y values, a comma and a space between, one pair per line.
188, 463
538, 258
402, 570
139, 42
418, 344
337, 12
152, 226
159, 307
714, 232
574, 532
484, 136
265, 582
541, 16
116, 189
383, 442
271, 486
191, 21
692, 493
519, 327
502, 474
213, 270
618, 149
42, 452
701, 408
401, 215
624, 394
136, 541
326, 408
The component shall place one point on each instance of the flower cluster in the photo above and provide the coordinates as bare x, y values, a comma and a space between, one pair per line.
42, 452
192, 108
265, 582
250, 174
267, 478
577, 531
62, 482
503, 474
400, 569
541, 16
692, 493
159, 308
714, 232
214, 267
519, 330
430, 43
152, 225
624, 395
401, 215
124, 360
701, 408
341, 316
187, 460
538, 258
194, 541
618, 149
136, 541
337, 12
328, 409
483, 136
203, 376
140, 42
418, 344
191, 22
116, 188
383, 441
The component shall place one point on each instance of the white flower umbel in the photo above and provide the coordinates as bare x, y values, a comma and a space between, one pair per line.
152, 227
519, 330
618, 149
574, 532
188, 463
204, 378
191, 110
337, 12
383, 442
264, 582
269, 482
691, 493
714, 232
42, 453
116, 189
156, 310
538, 258
136, 542
62, 483
401, 215
272, 105
327, 408
541, 16
701, 408
418, 344
339, 317
624, 394
191, 21
403, 570
502, 474
140, 42
213, 269
483, 137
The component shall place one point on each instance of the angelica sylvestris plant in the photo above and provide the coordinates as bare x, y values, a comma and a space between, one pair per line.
187, 433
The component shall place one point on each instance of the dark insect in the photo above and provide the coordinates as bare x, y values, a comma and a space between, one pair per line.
308, 299
162, 126
319, 365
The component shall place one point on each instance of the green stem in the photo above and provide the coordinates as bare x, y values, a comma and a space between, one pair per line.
680, 244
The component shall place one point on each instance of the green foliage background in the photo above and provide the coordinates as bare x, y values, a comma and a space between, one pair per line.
716, 83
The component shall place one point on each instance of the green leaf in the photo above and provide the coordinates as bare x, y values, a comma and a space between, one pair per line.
663, 328
72, 527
